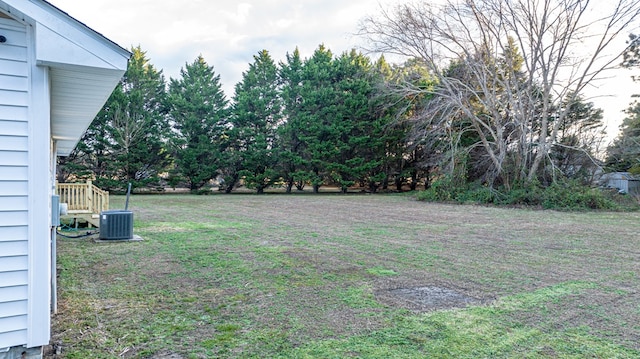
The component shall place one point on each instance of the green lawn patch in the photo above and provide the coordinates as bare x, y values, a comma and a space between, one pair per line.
247, 276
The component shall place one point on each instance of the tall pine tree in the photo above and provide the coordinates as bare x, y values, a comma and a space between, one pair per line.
359, 141
292, 163
318, 107
255, 120
127, 140
624, 153
198, 110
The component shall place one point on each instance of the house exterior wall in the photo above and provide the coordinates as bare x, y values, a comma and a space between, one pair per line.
14, 183
25, 187
55, 74
41, 185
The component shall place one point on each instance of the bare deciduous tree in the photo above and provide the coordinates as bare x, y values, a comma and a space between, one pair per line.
508, 66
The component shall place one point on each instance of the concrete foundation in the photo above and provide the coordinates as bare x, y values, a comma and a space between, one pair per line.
21, 353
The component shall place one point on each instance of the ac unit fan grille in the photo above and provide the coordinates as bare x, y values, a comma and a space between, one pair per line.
116, 224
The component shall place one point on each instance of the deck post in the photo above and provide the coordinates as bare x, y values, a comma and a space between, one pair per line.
89, 196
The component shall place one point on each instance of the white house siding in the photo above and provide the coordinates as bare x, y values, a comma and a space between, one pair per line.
14, 183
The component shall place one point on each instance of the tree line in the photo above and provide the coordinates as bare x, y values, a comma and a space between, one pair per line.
313, 121
477, 101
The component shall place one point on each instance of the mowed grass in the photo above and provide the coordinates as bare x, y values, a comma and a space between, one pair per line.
302, 276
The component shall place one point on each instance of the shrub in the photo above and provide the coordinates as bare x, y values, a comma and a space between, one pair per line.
524, 195
478, 194
561, 195
574, 196
205, 191
441, 190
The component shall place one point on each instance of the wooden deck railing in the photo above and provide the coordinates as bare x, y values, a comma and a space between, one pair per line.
83, 197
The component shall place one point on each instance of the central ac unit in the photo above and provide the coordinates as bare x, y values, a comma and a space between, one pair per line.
116, 224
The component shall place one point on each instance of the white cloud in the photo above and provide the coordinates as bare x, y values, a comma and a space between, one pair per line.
240, 15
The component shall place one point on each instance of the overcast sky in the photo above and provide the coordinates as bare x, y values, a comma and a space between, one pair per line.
228, 34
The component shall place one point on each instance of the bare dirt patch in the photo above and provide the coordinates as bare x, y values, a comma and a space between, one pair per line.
429, 298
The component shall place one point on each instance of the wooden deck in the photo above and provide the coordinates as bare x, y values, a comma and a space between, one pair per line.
84, 201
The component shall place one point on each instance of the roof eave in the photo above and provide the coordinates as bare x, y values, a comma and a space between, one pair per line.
85, 66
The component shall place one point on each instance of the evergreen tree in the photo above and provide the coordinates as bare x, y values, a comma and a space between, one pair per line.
359, 140
292, 163
318, 109
127, 140
624, 153
332, 131
198, 109
398, 162
415, 145
137, 124
579, 138
255, 120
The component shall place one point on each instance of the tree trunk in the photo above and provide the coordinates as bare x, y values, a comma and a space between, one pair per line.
232, 183
398, 182
289, 186
414, 179
373, 187
316, 186
427, 179
542, 141
193, 187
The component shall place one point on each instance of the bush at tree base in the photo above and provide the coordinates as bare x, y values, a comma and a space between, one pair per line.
561, 195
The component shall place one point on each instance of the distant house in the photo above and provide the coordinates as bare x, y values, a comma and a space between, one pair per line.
55, 75
624, 182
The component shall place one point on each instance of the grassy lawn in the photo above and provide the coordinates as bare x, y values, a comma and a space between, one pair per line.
302, 276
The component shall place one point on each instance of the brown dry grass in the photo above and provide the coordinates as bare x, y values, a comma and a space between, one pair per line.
300, 268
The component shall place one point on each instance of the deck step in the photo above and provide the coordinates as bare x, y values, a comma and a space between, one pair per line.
91, 218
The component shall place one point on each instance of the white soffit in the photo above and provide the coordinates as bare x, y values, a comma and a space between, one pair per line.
77, 95
84, 66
